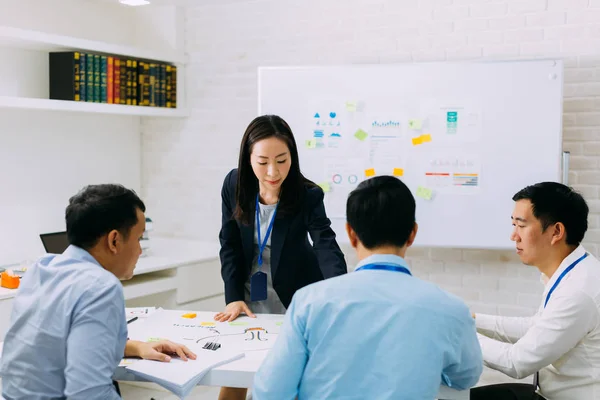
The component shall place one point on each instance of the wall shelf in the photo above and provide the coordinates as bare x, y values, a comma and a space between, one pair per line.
35, 40
97, 108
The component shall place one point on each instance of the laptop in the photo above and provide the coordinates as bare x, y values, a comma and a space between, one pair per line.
55, 243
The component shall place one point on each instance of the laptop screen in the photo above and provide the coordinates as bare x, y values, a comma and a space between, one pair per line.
55, 243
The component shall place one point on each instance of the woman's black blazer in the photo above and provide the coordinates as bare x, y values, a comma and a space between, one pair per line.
294, 262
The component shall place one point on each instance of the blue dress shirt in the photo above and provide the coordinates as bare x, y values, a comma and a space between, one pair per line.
67, 333
371, 334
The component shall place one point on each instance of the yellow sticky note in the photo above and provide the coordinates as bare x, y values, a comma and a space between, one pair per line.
417, 141
189, 315
370, 172
425, 138
311, 144
424, 193
325, 186
398, 172
351, 106
210, 324
415, 123
361, 135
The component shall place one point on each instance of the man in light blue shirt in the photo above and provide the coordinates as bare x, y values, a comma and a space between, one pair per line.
377, 333
68, 331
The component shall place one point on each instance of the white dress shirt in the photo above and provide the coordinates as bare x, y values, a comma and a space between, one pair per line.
561, 341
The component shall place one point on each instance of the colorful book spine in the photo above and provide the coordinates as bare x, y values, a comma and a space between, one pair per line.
117, 81
103, 79
123, 84
174, 86
110, 84
153, 85
97, 73
129, 78
169, 88
90, 77
83, 76
163, 85
134, 82
65, 76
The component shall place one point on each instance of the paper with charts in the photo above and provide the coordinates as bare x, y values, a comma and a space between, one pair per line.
215, 343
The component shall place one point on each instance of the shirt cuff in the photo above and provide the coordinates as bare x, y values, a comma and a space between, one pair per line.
485, 322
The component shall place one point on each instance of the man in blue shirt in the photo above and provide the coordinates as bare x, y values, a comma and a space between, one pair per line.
68, 331
378, 333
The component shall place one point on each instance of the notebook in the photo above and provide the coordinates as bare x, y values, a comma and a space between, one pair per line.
180, 377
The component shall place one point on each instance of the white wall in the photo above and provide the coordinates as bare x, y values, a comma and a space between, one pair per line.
46, 157
184, 163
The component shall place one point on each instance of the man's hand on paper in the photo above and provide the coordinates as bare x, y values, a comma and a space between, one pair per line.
161, 350
233, 310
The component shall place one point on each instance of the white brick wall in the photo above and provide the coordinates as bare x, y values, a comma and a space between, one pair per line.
227, 40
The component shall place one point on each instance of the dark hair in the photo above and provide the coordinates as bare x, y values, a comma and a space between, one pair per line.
381, 211
98, 209
292, 188
553, 202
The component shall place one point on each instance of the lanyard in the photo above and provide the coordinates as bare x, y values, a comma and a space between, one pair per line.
565, 272
262, 245
385, 267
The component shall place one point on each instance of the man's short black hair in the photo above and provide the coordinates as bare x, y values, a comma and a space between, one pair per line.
381, 211
554, 202
98, 209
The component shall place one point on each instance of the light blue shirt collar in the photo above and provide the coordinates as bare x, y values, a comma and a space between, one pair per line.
77, 253
384, 258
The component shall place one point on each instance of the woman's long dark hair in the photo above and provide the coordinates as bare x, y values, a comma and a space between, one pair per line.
294, 185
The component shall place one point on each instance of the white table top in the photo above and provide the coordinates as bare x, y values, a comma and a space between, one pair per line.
240, 373
164, 253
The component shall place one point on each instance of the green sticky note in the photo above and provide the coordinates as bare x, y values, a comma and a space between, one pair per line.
361, 135
415, 123
154, 339
351, 106
325, 186
238, 323
311, 144
424, 193
279, 323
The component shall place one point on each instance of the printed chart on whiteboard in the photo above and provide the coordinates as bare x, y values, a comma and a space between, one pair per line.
433, 146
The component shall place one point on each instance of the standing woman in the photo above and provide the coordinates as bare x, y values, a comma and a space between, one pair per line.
268, 210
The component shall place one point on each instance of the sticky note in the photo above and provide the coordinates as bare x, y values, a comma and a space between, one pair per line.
189, 315
325, 186
311, 144
417, 141
398, 172
207, 324
351, 106
238, 323
361, 135
370, 172
424, 193
425, 138
415, 123
154, 339
279, 323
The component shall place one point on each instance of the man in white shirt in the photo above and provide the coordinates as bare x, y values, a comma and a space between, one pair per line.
562, 340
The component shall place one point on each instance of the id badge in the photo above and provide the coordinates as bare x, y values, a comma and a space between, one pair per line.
258, 286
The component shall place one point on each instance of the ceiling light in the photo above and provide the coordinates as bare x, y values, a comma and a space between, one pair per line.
134, 2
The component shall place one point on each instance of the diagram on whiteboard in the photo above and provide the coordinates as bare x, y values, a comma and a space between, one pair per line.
433, 147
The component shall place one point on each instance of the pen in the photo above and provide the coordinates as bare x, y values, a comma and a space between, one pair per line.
132, 319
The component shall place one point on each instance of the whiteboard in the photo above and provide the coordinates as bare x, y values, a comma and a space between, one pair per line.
464, 137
